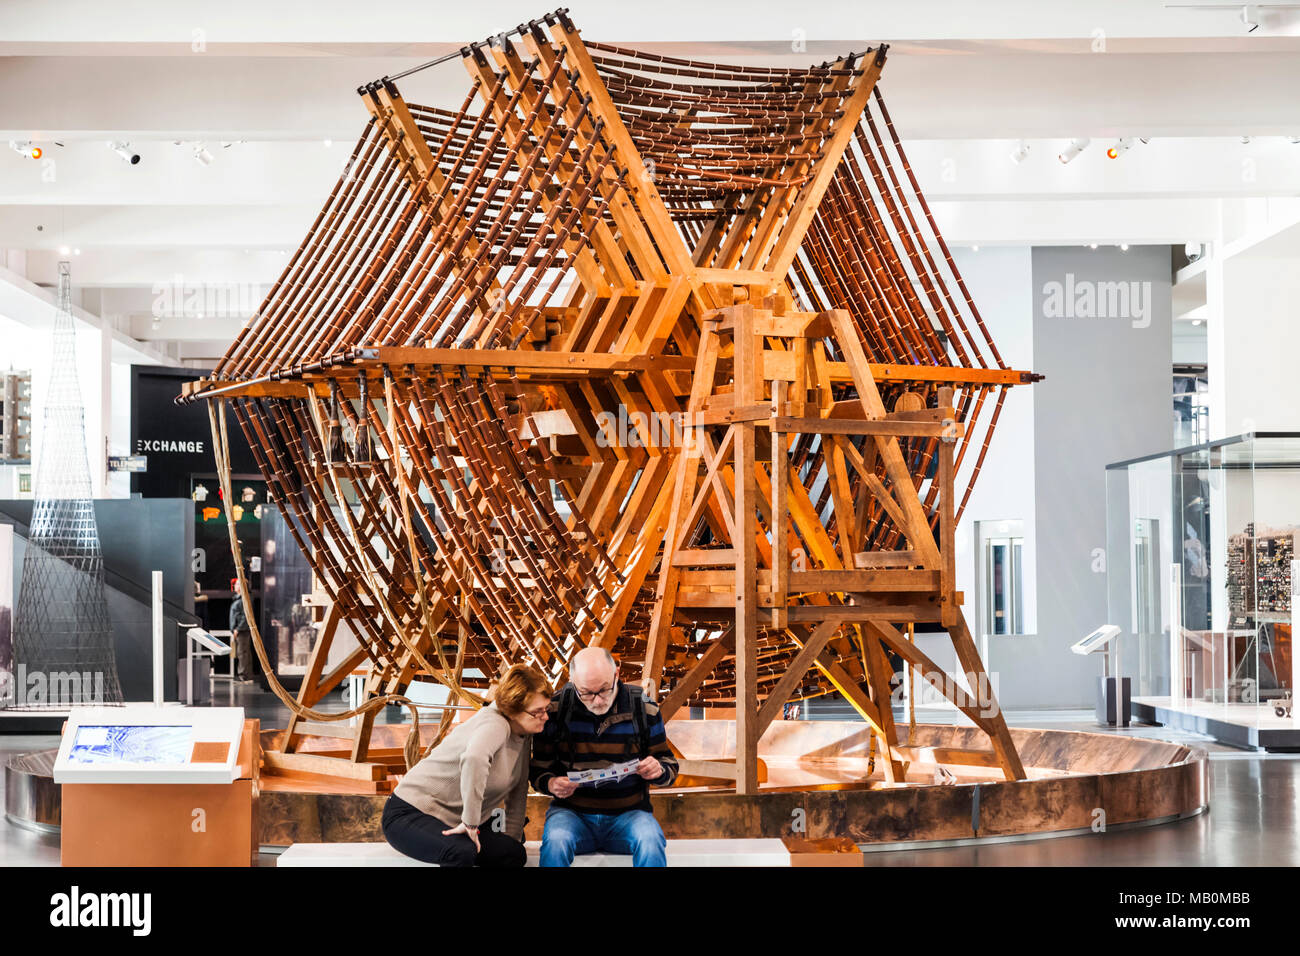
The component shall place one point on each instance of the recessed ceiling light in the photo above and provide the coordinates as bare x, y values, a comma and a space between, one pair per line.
1123, 247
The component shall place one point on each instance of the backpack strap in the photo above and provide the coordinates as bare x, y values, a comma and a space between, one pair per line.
567, 699
639, 721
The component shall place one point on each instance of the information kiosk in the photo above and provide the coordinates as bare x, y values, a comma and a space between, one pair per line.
158, 786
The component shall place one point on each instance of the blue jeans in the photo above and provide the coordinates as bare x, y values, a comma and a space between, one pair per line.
568, 833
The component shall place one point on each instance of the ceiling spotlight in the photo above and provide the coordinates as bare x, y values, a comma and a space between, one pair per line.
1123, 247
1123, 145
1076, 147
1092, 245
1249, 18
329, 143
1196, 321
1245, 141
974, 248
1020, 152
76, 252
26, 148
1293, 140
201, 154
124, 150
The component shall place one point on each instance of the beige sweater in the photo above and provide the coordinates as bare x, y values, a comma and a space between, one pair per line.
479, 766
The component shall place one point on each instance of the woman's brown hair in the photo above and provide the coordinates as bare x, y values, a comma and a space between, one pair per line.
517, 685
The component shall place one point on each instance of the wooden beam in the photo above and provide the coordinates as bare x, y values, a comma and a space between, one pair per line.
689, 684
807, 655
748, 385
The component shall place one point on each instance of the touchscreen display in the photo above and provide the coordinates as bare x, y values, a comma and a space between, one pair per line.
134, 744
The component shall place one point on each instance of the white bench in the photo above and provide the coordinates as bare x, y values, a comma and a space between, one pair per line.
748, 852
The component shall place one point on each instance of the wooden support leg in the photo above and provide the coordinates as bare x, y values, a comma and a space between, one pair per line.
361, 743
748, 386
308, 695
878, 673
780, 522
746, 614
995, 720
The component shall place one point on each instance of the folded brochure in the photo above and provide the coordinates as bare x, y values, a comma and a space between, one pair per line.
605, 774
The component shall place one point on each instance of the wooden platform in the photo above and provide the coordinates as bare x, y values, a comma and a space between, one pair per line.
818, 781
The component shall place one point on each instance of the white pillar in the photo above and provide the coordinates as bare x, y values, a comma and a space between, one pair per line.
1176, 655
102, 411
158, 656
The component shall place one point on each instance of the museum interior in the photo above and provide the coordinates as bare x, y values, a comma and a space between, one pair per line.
892, 397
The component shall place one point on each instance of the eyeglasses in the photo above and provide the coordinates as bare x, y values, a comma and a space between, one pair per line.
536, 714
595, 694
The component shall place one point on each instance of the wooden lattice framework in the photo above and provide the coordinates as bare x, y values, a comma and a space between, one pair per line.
661, 356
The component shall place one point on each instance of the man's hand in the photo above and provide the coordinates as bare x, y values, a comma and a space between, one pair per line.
471, 832
649, 768
561, 786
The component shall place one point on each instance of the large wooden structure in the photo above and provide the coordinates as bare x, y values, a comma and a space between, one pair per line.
656, 355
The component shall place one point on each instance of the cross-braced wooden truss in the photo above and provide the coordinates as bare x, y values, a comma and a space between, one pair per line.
662, 356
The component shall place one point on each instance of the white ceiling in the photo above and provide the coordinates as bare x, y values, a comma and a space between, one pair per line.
964, 82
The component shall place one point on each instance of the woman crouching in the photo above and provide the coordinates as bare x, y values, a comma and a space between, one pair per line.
440, 811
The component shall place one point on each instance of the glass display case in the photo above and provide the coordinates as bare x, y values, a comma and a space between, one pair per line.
286, 622
1200, 554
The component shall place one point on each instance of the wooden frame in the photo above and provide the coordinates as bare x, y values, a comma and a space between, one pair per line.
633, 354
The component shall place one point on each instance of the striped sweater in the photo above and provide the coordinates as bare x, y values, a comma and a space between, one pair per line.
596, 741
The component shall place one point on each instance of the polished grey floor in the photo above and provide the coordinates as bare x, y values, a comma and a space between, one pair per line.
1254, 817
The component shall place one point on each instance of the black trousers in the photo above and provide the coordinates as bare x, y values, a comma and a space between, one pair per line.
244, 653
419, 835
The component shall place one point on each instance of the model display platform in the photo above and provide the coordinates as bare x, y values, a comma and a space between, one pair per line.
1251, 726
821, 783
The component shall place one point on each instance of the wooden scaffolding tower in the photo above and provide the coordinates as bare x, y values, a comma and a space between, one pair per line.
629, 351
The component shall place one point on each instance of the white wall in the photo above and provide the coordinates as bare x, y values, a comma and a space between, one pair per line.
999, 282
1257, 360
25, 347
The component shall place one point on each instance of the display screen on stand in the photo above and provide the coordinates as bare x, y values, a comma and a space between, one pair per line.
135, 744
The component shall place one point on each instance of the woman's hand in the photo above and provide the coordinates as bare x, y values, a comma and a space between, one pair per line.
471, 832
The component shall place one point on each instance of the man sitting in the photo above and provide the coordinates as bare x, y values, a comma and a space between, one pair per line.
597, 722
